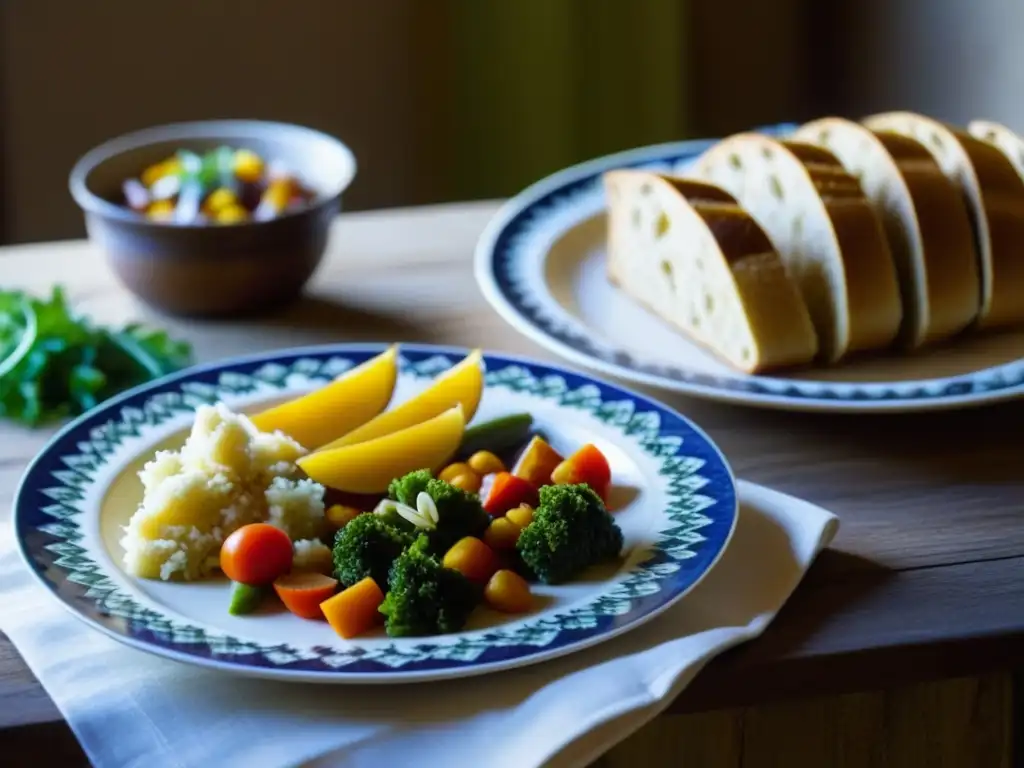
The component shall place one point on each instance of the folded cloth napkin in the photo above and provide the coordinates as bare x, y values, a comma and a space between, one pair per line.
130, 709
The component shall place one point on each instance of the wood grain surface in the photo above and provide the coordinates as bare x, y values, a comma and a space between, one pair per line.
923, 582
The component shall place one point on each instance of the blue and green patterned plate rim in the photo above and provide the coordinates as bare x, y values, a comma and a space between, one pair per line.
689, 496
527, 224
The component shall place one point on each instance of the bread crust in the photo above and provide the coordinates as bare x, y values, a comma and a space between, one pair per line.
845, 270
777, 330
925, 219
994, 192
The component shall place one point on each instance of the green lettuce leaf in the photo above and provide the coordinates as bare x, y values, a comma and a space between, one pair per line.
55, 363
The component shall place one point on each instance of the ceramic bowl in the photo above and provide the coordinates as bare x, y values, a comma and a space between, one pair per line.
205, 269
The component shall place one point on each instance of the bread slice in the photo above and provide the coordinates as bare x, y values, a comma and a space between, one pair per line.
688, 251
924, 217
826, 232
1002, 138
995, 200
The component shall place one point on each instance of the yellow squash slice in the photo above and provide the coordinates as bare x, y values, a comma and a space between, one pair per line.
462, 384
369, 467
337, 408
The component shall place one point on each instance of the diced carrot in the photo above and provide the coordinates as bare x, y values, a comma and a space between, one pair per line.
587, 465
302, 593
537, 462
354, 610
507, 492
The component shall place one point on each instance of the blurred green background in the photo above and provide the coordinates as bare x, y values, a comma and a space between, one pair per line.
539, 85
460, 99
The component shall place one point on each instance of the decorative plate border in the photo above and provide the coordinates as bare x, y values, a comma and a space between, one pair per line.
699, 480
509, 257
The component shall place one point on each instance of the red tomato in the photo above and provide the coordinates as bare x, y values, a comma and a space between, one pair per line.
256, 554
588, 465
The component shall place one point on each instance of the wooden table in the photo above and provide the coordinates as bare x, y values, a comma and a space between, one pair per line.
924, 582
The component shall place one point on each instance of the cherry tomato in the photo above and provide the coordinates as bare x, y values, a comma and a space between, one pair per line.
256, 554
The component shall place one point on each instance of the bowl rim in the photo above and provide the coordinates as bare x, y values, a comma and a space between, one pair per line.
90, 202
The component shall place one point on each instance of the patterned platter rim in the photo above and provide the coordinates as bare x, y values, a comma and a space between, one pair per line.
519, 234
700, 512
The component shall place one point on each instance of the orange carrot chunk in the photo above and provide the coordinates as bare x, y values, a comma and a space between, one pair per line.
587, 465
302, 593
537, 462
354, 611
508, 492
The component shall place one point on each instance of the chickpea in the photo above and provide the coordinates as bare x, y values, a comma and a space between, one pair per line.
452, 471
502, 534
508, 592
472, 558
521, 515
485, 463
340, 515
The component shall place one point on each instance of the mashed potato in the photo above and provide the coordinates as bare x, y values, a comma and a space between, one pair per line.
312, 555
226, 475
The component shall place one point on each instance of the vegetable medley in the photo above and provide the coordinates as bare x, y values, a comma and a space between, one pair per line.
419, 520
222, 186
434, 548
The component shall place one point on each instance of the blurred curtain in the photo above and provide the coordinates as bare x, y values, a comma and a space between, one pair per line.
537, 85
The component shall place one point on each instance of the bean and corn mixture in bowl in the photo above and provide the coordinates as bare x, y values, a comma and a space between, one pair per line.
214, 218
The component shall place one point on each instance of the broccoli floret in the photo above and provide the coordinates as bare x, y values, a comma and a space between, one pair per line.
406, 488
571, 530
367, 546
425, 598
459, 512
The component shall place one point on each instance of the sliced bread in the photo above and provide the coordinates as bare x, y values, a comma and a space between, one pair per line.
1002, 138
925, 219
994, 193
688, 252
826, 232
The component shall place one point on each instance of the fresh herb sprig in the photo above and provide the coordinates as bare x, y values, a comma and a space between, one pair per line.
55, 363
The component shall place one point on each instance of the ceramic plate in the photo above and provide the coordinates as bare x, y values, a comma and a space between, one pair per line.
675, 492
540, 263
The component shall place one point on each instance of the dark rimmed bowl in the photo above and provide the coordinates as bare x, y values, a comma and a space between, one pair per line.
213, 270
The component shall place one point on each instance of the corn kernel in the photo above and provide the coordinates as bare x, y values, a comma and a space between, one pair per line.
508, 592
467, 481
154, 173
218, 200
231, 214
502, 534
521, 515
248, 165
452, 471
278, 194
485, 463
161, 210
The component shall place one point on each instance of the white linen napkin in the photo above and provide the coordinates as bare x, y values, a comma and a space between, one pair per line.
130, 709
